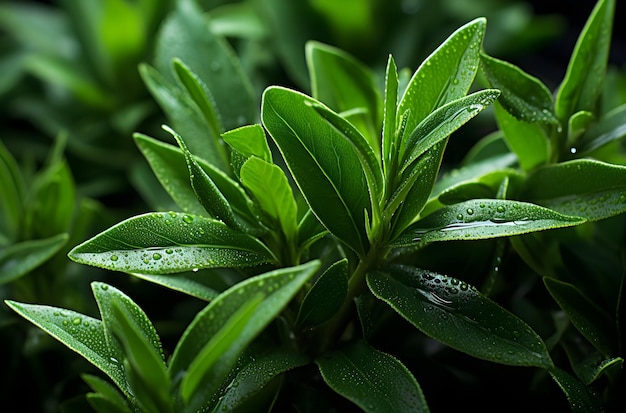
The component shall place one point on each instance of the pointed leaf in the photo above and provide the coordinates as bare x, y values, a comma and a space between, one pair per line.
466, 320
609, 128
249, 141
592, 321
373, 380
181, 283
106, 398
587, 188
269, 185
12, 190
158, 243
323, 163
278, 287
82, 334
390, 113
326, 296
523, 96
446, 75
483, 218
587, 66
255, 375
582, 399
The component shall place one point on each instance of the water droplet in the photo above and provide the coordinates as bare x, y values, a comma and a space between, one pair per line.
500, 209
470, 211
169, 251
573, 150
76, 321
114, 257
187, 219
195, 270
156, 256
104, 287
459, 217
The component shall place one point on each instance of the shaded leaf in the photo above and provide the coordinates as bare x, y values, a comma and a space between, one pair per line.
609, 128
19, 259
466, 320
582, 399
326, 296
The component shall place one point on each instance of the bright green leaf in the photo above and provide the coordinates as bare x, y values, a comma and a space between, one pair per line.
466, 320
323, 163
157, 243
249, 141
587, 67
483, 218
373, 380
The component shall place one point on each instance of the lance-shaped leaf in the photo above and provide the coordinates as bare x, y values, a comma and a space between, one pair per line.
269, 185
446, 75
170, 167
367, 156
456, 314
609, 128
587, 66
278, 287
442, 122
588, 188
158, 243
483, 218
19, 259
181, 36
592, 321
390, 114
106, 398
523, 96
527, 140
12, 190
594, 366
254, 376
344, 84
126, 322
185, 284
582, 399
249, 141
323, 163
326, 296
373, 380
80, 333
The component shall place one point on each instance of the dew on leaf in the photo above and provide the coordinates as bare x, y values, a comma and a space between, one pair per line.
156, 256
114, 257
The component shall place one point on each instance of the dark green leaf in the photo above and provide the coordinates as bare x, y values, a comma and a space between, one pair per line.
323, 163
11, 201
106, 398
182, 283
523, 96
483, 218
582, 399
596, 365
373, 380
592, 321
326, 296
184, 33
277, 286
157, 243
255, 375
587, 188
587, 67
19, 259
610, 127
82, 334
344, 84
455, 313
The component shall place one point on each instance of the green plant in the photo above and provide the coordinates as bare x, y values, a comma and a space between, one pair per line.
305, 257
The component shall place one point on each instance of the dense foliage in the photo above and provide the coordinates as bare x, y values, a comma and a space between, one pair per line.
310, 245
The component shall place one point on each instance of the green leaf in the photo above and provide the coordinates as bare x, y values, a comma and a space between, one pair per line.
157, 243
249, 141
523, 96
105, 393
466, 320
185, 116
82, 334
527, 140
323, 163
186, 32
587, 188
446, 75
587, 66
442, 122
390, 114
181, 283
326, 296
609, 128
582, 399
485, 186
343, 84
373, 380
255, 375
125, 321
278, 287
19, 259
595, 366
270, 187
592, 321
11, 202
218, 345
481, 219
